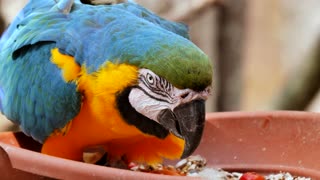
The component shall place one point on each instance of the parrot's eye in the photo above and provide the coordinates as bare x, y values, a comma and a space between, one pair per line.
154, 85
150, 79
154, 82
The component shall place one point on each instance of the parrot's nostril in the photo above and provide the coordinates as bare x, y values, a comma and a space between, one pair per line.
184, 95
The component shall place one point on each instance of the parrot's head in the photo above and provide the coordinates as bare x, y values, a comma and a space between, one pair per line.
173, 83
157, 107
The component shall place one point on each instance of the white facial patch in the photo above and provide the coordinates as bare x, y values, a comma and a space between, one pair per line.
154, 94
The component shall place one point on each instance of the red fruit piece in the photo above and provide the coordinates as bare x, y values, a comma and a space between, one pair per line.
251, 176
132, 165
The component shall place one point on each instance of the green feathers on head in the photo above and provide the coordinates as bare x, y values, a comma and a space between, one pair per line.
181, 63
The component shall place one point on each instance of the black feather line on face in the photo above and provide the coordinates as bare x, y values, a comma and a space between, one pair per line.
158, 99
158, 86
132, 117
105, 2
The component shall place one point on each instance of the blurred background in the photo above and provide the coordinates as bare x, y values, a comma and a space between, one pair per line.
266, 54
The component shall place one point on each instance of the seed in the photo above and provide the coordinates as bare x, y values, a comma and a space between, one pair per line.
181, 163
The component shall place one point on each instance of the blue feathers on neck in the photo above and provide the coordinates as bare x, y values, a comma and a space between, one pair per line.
1, 97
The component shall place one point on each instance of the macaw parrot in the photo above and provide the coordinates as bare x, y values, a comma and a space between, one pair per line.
75, 75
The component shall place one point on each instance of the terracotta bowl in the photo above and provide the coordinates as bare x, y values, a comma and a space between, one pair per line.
264, 142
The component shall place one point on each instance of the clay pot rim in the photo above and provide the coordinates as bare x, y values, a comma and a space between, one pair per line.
21, 162
259, 114
278, 115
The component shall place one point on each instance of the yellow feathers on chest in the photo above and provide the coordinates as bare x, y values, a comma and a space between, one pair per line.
99, 88
98, 118
99, 121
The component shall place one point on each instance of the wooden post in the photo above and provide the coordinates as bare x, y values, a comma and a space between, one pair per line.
231, 35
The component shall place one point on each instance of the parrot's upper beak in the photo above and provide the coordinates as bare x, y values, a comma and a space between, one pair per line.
187, 122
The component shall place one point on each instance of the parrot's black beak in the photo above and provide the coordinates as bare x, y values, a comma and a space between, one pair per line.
187, 122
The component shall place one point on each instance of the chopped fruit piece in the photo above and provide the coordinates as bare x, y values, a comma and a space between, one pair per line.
132, 165
251, 176
92, 155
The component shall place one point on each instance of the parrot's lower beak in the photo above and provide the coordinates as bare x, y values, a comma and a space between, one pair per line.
187, 122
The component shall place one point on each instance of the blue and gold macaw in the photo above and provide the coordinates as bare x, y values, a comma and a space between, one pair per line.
76, 75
